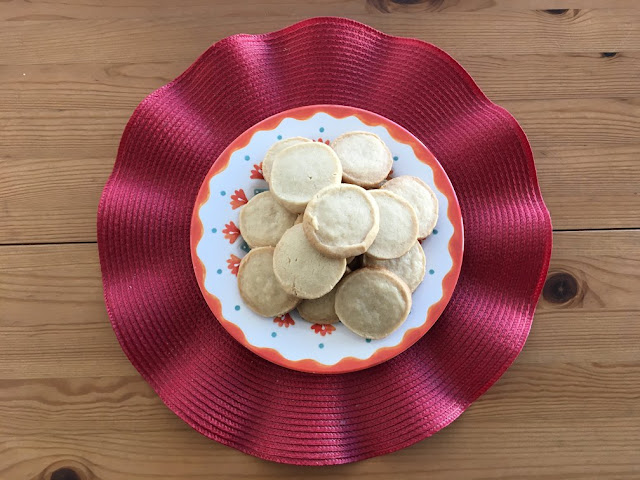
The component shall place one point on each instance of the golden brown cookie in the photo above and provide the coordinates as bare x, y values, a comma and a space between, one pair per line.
262, 221
410, 267
259, 287
398, 226
301, 269
341, 220
366, 159
372, 302
302, 170
421, 198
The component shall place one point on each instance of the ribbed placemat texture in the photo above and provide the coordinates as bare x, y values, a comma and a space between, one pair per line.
219, 387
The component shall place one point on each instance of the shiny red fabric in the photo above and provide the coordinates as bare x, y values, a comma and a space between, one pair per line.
235, 397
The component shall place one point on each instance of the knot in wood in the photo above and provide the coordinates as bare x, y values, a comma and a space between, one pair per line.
560, 288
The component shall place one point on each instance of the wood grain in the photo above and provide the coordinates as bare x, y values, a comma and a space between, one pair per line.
571, 395
55, 199
102, 40
73, 407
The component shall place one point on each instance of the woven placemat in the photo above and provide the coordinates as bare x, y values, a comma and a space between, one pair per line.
235, 397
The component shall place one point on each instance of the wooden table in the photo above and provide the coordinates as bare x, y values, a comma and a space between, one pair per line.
71, 73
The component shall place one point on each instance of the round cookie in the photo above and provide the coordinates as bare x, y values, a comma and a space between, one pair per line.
421, 198
372, 302
280, 145
302, 170
301, 269
410, 267
341, 220
366, 159
320, 310
262, 221
398, 226
259, 287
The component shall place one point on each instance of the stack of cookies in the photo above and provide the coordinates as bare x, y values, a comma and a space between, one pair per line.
334, 236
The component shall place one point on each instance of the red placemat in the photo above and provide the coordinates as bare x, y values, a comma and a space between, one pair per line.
235, 397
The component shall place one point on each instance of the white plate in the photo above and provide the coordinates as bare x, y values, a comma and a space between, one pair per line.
217, 248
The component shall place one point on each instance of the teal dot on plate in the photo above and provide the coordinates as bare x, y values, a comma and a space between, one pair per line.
274, 334
279, 137
321, 130
431, 272
214, 230
321, 345
395, 159
435, 232
368, 340
219, 271
237, 307
223, 193
247, 158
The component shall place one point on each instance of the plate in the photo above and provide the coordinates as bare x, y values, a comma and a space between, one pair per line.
217, 246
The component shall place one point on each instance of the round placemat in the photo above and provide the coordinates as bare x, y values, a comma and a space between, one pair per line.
223, 390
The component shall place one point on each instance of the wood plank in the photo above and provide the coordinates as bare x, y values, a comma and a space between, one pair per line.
51, 293
590, 186
502, 77
35, 133
39, 10
174, 37
584, 187
144, 440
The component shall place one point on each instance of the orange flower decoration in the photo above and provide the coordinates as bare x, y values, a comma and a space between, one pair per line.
257, 172
284, 320
323, 329
238, 199
328, 142
233, 263
231, 232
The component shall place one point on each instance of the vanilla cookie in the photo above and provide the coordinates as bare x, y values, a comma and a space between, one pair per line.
410, 267
267, 162
421, 198
301, 269
398, 226
320, 310
366, 160
262, 221
302, 170
341, 220
259, 287
372, 302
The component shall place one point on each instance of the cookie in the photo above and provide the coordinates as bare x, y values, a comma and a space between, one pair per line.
301, 269
421, 198
398, 226
341, 220
322, 310
259, 287
372, 302
410, 267
302, 170
262, 221
267, 162
366, 160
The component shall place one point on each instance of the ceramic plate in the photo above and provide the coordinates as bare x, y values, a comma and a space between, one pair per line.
217, 247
